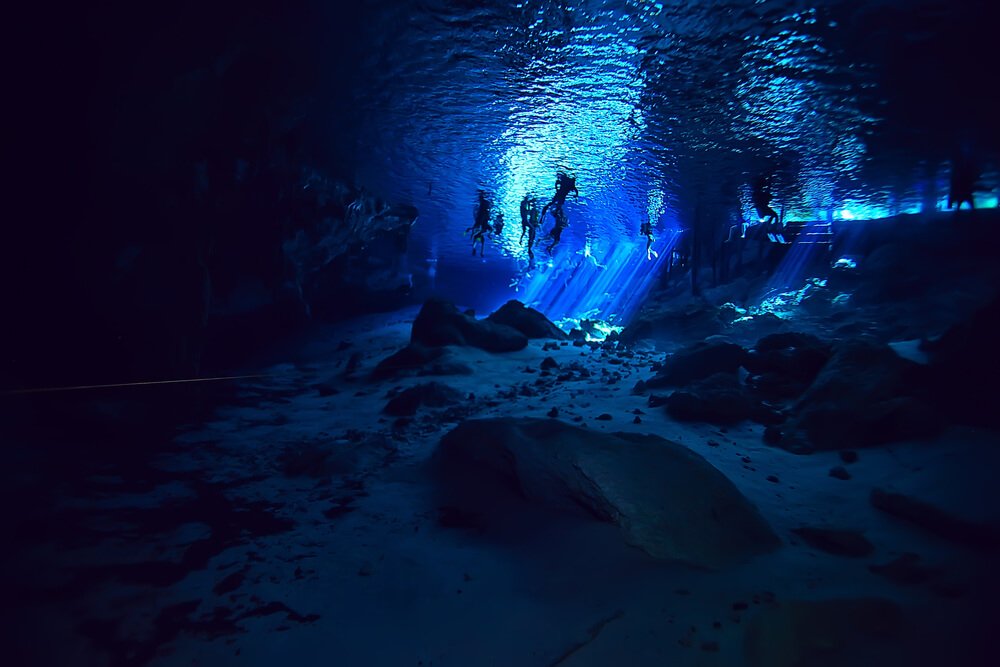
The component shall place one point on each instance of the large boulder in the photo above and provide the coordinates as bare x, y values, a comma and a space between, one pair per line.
719, 399
698, 362
675, 323
865, 395
667, 500
440, 323
784, 364
528, 321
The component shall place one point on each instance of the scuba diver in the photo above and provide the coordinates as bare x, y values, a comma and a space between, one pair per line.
481, 225
964, 174
556, 232
761, 197
529, 222
565, 184
647, 230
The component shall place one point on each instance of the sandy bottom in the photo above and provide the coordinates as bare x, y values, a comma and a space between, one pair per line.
373, 568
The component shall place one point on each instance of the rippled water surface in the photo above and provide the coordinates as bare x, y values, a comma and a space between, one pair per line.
664, 110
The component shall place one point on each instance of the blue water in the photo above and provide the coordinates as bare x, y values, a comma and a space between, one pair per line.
663, 110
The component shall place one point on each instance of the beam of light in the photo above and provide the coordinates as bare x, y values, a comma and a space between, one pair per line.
583, 285
42, 390
791, 271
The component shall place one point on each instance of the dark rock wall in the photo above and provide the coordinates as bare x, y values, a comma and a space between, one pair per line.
183, 216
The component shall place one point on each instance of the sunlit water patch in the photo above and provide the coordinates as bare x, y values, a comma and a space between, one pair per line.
661, 110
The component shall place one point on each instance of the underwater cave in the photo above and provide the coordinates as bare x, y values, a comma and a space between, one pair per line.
553, 332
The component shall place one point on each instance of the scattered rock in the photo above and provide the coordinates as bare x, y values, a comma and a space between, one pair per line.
838, 542
808, 632
548, 363
839, 472
666, 499
865, 395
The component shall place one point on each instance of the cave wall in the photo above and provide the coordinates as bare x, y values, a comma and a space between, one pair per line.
192, 217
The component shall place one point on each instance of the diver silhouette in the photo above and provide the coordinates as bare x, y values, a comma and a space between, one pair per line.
964, 174
481, 224
771, 224
529, 222
565, 184
647, 230
556, 232
760, 196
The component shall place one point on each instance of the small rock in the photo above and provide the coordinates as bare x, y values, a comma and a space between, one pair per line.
637, 411
637, 420
553, 413
548, 363
848, 455
839, 472
746, 459
772, 478
713, 443
639, 387
603, 418
578, 419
